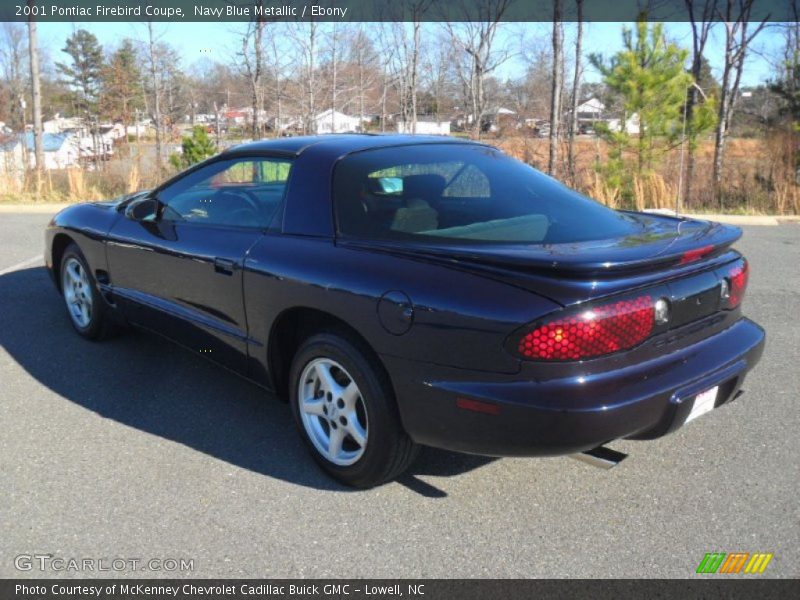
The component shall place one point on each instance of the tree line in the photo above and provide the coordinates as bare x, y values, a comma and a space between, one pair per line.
402, 71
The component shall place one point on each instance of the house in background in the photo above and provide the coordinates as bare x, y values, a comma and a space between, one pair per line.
590, 112
59, 124
289, 124
111, 132
235, 117
425, 126
96, 147
498, 118
140, 129
593, 111
630, 125
333, 121
61, 151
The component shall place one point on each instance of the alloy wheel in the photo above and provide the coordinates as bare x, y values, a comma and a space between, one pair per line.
77, 293
332, 411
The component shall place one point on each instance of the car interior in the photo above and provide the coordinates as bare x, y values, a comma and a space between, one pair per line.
430, 204
233, 204
245, 194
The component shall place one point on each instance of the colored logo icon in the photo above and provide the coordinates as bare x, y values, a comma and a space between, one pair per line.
734, 562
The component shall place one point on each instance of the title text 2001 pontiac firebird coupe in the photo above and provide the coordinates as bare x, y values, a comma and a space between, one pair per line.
407, 290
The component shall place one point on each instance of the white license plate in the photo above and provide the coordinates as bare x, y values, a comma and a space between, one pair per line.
703, 403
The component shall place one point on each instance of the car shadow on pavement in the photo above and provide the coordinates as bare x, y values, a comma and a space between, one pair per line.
149, 384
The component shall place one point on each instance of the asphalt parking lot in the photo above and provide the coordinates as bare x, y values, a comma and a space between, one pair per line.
134, 448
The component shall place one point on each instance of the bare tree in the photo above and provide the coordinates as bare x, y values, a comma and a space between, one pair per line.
701, 22
576, 88
279, 60
365, 60
558, 82
437, 75
413, 75
334, 70
13, 55
33, 49
253, 56
475, 37
385, 83
153, 60
738, 36
306, 36
535, 86
402, 43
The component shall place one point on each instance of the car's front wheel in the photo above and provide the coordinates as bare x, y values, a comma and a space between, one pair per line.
85, 307
345, 410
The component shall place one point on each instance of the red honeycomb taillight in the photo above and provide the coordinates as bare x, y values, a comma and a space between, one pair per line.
597, 331
737, 280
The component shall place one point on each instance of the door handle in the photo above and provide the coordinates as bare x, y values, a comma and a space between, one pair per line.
224, 266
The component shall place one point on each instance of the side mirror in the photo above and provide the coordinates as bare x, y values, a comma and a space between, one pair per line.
145, 209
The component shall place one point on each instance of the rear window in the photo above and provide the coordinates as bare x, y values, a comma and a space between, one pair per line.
456, 193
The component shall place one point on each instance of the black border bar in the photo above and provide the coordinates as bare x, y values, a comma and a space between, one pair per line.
711, 586
377, 10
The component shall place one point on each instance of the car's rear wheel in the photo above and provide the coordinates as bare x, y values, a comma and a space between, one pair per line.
85, 307
346, 413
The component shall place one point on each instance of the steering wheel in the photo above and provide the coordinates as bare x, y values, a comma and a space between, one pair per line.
246, 196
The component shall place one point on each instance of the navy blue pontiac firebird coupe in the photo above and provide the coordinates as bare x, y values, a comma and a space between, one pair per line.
405, 290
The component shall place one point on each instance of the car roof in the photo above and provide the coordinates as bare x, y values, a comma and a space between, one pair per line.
344, 143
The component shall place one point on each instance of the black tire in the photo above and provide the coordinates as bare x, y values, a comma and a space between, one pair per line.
388, 451
99, 325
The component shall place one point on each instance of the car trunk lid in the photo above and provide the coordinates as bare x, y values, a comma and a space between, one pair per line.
659, 250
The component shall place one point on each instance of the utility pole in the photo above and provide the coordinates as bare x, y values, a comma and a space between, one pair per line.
33, 48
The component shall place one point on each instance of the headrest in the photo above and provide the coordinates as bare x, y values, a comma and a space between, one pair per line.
423, 186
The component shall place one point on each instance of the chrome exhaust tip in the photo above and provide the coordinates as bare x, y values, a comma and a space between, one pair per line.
601, 457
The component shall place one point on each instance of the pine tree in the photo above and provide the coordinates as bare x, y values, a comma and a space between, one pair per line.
84, 72
649, 75
195, 148
788, 89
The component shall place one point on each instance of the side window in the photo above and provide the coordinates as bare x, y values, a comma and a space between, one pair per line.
240, 192
469, 183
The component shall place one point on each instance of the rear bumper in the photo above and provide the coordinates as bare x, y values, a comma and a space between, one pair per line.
644, 400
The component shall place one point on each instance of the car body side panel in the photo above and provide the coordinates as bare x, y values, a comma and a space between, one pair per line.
164, 277
458, 318
87, 225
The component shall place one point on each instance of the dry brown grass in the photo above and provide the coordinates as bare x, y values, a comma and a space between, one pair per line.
134, 182
123, 174
10, 185
651, 191
610, 196
758, 175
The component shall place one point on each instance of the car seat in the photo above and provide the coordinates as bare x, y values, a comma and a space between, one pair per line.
417, 214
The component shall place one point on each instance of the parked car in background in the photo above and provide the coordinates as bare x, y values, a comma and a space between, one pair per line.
401, 291
543, 130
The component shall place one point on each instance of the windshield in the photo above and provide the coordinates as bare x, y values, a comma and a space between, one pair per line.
456, 193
